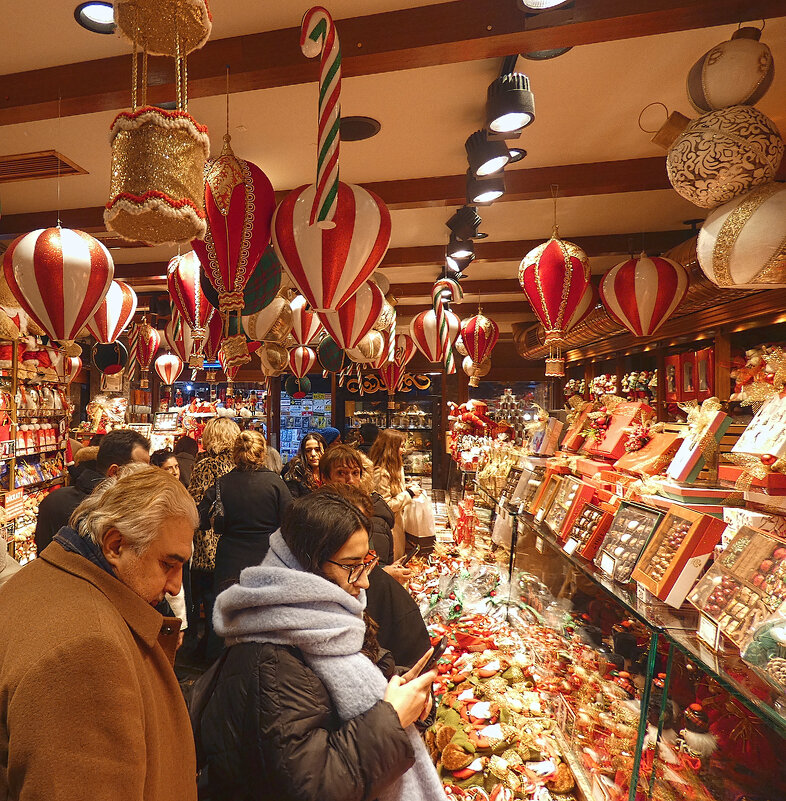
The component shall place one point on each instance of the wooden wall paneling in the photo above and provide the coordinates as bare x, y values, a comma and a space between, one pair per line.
722, 364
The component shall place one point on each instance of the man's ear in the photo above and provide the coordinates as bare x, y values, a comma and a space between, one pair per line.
112, 470
112, 546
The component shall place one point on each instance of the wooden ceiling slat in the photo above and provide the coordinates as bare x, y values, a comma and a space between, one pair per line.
463, 30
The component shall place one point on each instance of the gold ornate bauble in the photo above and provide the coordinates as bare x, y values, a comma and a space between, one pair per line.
369, 349
156, 192
271, 324
8, 329
387, 318
459, 345
164, 27
476, 371
743, 243
274, 358
724, 154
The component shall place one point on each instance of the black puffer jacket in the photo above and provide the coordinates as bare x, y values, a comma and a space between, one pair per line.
382, 529
271, 733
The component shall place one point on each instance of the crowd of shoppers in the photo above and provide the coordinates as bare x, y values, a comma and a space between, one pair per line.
321, 647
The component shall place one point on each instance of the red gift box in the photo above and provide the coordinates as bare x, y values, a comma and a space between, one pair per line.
773, 483
574, 438
653, 457
623, 418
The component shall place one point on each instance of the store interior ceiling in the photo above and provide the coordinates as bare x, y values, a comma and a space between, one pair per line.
421, 68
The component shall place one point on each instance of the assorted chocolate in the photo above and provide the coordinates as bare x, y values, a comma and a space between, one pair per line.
626, 538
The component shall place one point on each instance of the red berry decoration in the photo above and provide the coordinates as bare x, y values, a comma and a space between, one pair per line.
768, 459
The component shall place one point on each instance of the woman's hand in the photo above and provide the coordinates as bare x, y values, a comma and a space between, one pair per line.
410, 699
414, 671
415, 489
399, 572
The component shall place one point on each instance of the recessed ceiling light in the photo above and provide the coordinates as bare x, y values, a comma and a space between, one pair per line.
545, 55
356, 129
516, 154
96, 16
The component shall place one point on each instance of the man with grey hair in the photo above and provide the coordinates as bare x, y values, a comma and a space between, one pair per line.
89, 703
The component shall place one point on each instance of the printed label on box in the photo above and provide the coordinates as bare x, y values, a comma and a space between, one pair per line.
539, 544
608, 564
570, 546
708, 631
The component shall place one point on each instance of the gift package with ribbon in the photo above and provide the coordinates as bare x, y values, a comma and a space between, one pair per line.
707, 424
616, 418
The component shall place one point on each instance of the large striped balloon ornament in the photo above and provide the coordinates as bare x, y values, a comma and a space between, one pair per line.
306, 325
424, 330
391, 374
404, 349
59, 276
71, 367
480, 335
185, 289
179, 336
147, 340
168, 366
642, 293
114, 313
356, 317
302, 360
329, 265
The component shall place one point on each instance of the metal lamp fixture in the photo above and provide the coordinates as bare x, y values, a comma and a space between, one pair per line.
486, 156
540, 5
460, 248
510, 105
482, 191
464, 224
459, 263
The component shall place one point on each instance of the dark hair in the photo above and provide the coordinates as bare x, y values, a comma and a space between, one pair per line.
95, 440
317, 525
336, 456
116, 448
186, 444
356, 496
301, 450
159, 457
369, 432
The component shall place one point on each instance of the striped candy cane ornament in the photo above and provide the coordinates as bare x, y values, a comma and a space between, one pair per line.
133, 361
444, 291
318, 37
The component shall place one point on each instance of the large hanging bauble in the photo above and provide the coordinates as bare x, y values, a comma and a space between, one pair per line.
381, 280
306, 325
331, 357
71, 367
642, 293
723, 154
369, 349
59, 276
297, 387
328, 265
179, 336
274, 358
156, 190
404, 349
302, 360
734, 73
271, 324
480, 335
263, 285
741, 244
185, 289
475, 371
459, 346
109, 358
114, 313
425, 333
147, 342
356, 317
239, 204
164, 27
387, 317
169, 367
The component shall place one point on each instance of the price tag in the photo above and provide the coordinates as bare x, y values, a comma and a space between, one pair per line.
642, 593
570, 546
708, 631
14, 503
539, 544
540, 515
608, 564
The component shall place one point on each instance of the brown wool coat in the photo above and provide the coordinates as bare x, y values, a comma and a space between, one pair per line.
89, 704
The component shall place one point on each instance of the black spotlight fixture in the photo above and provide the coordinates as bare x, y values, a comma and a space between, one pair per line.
510, 105
483, 191
516, 154
459, 248
485, 155
464, 224
96, 16
546, 55
458, 265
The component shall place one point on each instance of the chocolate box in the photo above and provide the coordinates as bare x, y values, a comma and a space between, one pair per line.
588, 530
626, 539
653, 458
624, 416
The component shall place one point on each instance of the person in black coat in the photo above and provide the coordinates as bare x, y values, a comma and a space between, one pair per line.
117, 448
368, 433
302, 472
254, 500
274, 726
186, 450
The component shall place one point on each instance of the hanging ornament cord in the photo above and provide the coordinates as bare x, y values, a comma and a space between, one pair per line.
60, 144
554, 195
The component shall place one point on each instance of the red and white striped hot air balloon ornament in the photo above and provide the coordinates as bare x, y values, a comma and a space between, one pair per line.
425, 332
642, 293
329, 236
114, 313
147, 342
356, 317
168, 366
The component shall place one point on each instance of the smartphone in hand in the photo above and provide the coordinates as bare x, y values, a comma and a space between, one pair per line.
407, 556
439, 649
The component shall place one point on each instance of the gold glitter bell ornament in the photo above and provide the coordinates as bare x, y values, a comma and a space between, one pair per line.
158, 156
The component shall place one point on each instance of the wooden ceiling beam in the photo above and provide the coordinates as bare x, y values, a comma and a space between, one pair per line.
444, 33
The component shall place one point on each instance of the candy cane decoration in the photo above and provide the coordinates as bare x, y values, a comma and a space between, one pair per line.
444, 291
133, 362
318, 37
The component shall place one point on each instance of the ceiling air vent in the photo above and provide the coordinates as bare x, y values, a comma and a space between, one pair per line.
33, 166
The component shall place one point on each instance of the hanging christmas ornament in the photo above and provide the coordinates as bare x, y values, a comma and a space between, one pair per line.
178, 335
114, 313
459, 346
741, 243
297, 387
734, 73
329, 236
183, 281
720, 155
230, 370
369, 349
274, 358
404, 349
331, 357
71, 368
388, 351
425, 333
554, 277
480, 335
381, 280
588, 301
443, 292
391, 374
272, 324
642, 293
387, 317
475, 371
59, 276
356, 317
109, 358
147, 341
168, 366
306, 325
302, 360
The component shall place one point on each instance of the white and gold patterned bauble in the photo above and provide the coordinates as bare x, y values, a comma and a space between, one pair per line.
723, 154
743, 243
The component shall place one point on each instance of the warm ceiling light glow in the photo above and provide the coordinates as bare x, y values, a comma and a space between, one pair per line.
541, 5
517, 154
510, 105
485, 190
96, 16
485, 156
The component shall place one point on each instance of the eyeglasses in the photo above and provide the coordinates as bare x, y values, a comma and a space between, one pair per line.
356, 571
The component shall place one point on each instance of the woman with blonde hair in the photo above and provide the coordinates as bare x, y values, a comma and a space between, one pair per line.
254, 499
389, 481
218, 439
